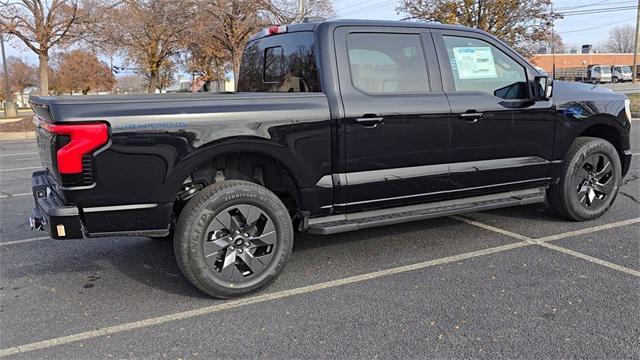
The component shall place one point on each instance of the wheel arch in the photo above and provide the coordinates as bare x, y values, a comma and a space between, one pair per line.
254, 147
606, 132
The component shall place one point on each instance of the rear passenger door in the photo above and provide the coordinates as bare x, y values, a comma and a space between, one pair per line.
395, 132
501, 138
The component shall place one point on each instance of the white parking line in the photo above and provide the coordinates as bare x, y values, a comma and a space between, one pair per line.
250, 300
590, 258
544, 241
24, 168
14, 242
20, 154
526, 241
589, 230
492, 228
14, 195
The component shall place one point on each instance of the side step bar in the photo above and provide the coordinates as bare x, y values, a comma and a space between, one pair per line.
368, 219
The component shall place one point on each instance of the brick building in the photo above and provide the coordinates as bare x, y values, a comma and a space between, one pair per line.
545, 61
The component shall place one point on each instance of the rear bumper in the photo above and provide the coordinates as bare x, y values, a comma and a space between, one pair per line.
50, 213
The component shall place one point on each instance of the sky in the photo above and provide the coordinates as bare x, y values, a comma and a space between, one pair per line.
574, 30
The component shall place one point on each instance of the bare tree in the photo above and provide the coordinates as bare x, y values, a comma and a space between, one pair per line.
131, 84
204, 54
40, 25
286, 11
21, 76
166, 75
81, 71
620, 39
147, 32
515, 22
235, 22
552, 42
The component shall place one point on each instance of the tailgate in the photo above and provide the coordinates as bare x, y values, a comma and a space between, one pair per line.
46, 145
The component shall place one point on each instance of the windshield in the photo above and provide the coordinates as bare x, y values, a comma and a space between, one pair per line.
626, 69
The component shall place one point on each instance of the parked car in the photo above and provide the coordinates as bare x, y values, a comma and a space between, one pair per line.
598, 74
621, 73
337, 126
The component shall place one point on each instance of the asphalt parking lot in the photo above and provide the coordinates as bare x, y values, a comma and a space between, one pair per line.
510, 283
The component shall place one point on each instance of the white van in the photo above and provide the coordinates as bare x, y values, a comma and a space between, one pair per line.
621, 73
599, 74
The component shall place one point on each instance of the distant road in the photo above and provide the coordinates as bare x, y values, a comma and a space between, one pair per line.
627, 88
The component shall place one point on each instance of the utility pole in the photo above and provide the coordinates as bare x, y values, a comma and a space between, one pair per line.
302, 10
553, 43
635, 47
10, 108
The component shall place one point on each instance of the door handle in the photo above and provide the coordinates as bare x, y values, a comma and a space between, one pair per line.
370, 121
471, 117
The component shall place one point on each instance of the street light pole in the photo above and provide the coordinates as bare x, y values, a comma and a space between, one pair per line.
635, 46
10, 108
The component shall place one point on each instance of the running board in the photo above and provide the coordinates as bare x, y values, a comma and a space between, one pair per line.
368, 219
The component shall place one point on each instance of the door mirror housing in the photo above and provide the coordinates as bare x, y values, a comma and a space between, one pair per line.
542, 88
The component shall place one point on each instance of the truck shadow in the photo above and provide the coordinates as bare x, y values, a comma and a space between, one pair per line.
315, 258
91, 263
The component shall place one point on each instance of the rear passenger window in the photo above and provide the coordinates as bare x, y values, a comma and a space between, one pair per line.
479, 66
387, 63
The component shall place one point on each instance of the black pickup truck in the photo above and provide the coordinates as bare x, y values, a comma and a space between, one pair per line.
336, 126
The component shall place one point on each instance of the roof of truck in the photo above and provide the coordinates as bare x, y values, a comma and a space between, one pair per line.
313, 25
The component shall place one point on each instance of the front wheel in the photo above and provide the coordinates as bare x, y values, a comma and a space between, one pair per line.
590, 180
233, 238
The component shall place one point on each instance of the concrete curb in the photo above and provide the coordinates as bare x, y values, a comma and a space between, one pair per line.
21, 135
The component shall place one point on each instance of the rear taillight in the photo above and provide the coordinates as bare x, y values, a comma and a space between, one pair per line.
80, 140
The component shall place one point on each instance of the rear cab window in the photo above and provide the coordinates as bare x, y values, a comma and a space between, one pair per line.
280, 63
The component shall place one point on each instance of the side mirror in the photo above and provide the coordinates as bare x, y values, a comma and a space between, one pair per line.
542, 88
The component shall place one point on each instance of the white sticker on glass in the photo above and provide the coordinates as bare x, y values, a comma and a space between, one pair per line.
475, 63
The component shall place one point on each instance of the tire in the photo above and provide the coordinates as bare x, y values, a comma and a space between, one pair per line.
590, 180
233, 238
615, 80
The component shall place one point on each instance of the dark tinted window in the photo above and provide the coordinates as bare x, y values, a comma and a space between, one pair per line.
273, 64
479, 66
387, 63
280, 63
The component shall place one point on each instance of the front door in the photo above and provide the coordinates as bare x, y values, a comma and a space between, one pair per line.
396, 130
500, 137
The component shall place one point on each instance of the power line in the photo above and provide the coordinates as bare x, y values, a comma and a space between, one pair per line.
597, 27
355, 5
595, 4
368, 7
583, 6
595, 11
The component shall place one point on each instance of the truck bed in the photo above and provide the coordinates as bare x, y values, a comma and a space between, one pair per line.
101, 107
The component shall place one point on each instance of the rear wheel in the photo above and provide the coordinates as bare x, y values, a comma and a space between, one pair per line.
590, 180
233, 238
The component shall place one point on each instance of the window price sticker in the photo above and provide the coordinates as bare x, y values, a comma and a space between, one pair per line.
475, 63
